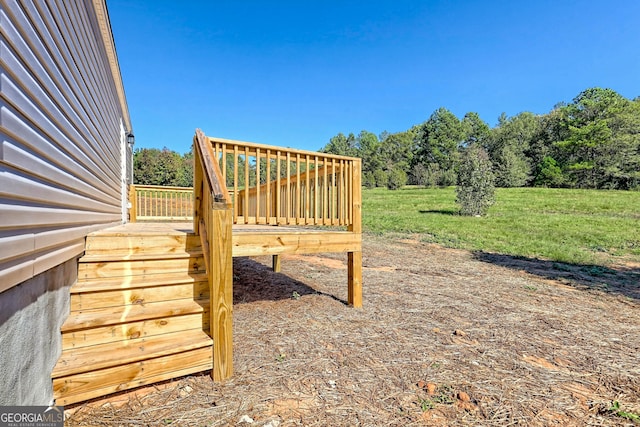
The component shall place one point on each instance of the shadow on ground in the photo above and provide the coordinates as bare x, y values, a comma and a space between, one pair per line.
254, 281
623, 281
451, 212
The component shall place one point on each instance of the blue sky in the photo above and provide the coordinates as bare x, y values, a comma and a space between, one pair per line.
295, 73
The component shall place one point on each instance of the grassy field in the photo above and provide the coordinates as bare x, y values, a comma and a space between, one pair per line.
573, 226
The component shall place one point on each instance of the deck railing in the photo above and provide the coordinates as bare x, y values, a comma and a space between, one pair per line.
282, 186
212, 221
285, 187
157, 203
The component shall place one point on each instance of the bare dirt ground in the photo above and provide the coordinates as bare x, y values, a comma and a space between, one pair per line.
446, 337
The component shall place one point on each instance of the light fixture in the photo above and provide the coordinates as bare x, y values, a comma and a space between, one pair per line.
131, 139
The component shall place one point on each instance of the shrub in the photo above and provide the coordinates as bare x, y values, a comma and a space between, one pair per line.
475, 191
418, 175
381, 178
368, 180
433, 175
447, 177
397, 178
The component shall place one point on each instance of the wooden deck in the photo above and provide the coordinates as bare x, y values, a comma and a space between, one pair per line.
154, 300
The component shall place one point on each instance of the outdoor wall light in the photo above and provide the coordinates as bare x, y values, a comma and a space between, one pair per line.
131, 139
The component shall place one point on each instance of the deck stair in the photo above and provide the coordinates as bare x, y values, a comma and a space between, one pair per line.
139, 314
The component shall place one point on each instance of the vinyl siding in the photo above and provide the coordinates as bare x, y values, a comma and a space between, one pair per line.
63, 119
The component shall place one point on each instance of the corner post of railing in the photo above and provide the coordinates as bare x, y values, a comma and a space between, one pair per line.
133, 204
354, 260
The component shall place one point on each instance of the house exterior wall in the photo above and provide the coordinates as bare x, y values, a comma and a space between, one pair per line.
63, 166
31, 315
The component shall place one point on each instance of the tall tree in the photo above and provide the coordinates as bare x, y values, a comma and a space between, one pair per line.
593, 142
368, 148
601, 144
185, 171
397, 150
508, 145
341, 145
543, 152
438, 140
476, 130
152, 166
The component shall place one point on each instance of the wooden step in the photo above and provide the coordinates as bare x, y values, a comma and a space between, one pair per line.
125, 268
77, 388
115, 256
107, 355
123, 297
134, 330
145, 229
139, 313
142, 243
120, 315
139, 281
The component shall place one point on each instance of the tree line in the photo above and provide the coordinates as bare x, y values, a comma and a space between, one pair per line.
152, 166
592, 142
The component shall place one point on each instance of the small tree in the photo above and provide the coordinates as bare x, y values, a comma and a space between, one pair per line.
475, 191
397, 178
381, 178
368, 180
418, 175
549, 173
433, 175
448, 177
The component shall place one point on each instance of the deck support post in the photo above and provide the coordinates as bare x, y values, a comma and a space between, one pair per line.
354, 259
354, 265
276, 263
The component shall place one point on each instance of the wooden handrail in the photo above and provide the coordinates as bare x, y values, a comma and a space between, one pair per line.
213, 220
252, 146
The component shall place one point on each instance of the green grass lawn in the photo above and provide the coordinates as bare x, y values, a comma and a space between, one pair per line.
573, 226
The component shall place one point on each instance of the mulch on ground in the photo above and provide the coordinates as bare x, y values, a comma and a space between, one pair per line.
446, 337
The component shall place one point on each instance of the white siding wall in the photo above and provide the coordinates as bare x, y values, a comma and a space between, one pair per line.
62, 128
